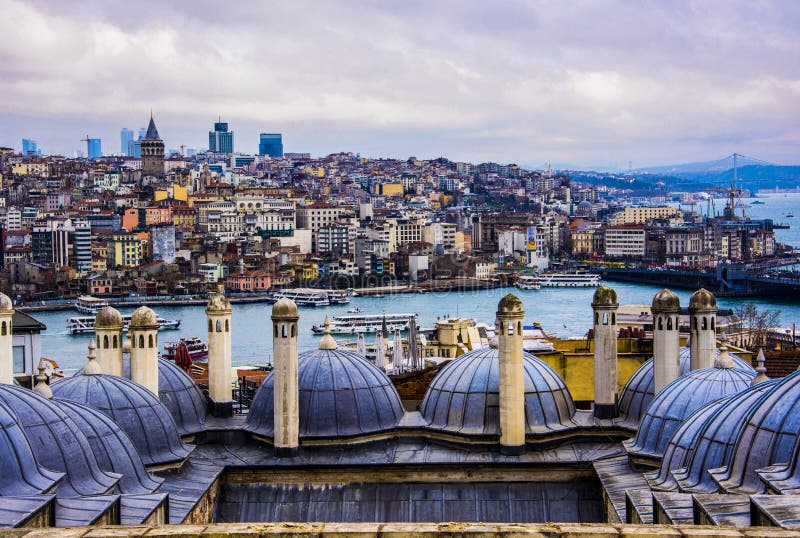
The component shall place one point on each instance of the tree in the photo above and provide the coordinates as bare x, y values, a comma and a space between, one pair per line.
756, 324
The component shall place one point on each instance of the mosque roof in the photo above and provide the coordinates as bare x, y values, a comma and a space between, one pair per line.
341, 394
22, 474
677, 401
464, 396
638, 391
59, 443
113, 449
136, 410
182, 397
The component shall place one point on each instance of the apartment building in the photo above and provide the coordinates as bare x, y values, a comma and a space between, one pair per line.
625, 241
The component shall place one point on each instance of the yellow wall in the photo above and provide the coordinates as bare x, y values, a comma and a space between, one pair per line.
392, 189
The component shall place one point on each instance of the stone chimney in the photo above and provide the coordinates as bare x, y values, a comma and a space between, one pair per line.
666, 338
286, 403
508, 327
703, 329
604, 306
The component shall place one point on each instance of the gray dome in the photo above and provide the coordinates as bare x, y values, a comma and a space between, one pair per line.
464, 396
22, 474
113, 449
784, 478
285, 309
341, 394
181, 396
679, 447
143, 318
605, 296
638, 391
714, 445
6, 304
702, 299
767, 437
666, 301
135, 409
108, 318
677, 401
58, 443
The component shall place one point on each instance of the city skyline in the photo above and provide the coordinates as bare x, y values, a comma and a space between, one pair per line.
657, 84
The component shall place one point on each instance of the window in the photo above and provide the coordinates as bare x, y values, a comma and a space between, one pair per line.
19, 359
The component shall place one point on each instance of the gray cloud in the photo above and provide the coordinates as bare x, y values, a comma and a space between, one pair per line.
582, 81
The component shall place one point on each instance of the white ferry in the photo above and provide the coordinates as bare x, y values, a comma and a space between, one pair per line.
313, 297
569, 280
87, 304
528, 282
368, 323
85, 324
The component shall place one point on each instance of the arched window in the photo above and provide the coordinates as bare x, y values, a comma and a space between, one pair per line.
141, 341
283, 331
705, 323
510, 328
4, 329
713, 324
105, 342
605, 318
597, 318
294, 330
660, 323
519, 327
114, 342
219, 325
150, 341
613, 318
210, 326
227, 325
694, 323
669, 323
276, 330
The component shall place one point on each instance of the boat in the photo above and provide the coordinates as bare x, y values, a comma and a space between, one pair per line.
338, 296
528, 282
198, 350
354, 310
756, 202
304, 296
87, 304
367, 323
85, 324
569, 280
790, 215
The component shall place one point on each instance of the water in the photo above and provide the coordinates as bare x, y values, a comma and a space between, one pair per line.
561, 311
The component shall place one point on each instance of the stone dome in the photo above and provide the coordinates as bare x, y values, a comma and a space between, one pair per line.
666, 301
702, 299
113, 449
143, 318
136, 410
638, 392
285, 308
6, 304
677, 401
218, 303
605, 296
769, 432
22, 474
108, 318
509, 304
58, 443
341, 395
714, 445
464, 396
679, 447
182, 397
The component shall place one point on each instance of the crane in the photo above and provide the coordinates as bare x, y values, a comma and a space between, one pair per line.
86, 139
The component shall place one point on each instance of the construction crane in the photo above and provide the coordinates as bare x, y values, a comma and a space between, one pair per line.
86, 139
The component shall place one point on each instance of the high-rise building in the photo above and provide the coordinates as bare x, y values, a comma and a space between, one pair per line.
125, 141
220, 140
94, 147
270, 144
135, 146
30, 147
152, 151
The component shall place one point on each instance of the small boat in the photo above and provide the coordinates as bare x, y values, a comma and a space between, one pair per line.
528, 282
85, 324
198, 350
354, 310
86, 304
790, 215
756, 202
378, 296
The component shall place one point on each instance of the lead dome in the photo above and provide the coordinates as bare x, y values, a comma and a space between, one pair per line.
666, 301
182, 397
285, 308
218, 303
144, 318
605, 296
702, 299
108, 318
6, 304
464, 396
341, 394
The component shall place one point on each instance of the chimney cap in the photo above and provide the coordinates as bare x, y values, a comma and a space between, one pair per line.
702, 299
605, 296
666, 301
108, 318
6, 304
285, 309
510, 304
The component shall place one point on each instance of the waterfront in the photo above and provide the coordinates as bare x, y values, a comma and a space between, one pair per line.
561, 311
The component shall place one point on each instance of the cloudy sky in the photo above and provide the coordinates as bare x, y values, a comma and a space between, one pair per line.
588, 83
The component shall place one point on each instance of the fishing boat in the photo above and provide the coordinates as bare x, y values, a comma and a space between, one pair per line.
569, 280
368, 323
86, 304
85, 324
528, 282
198, 350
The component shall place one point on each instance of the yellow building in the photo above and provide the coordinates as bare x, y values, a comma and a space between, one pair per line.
453, 337
316, 171
124, 250
99, 257
305, 271
390, 189
640, 215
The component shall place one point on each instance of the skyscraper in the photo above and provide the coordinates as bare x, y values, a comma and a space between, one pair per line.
135, 146
125, 141
30, 147
152, 151
270, 144
94, 147
220, 140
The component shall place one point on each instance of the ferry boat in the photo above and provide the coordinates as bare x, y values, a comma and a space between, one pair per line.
313, 297
198, 350
569, 280
85, 324
87, 304
528, 282
367, 323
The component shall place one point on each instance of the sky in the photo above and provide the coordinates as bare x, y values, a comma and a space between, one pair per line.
574, 83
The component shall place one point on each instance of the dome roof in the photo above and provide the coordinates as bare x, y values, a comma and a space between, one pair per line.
638, 391
714, 445
108, 318
218, 303
605, 296
464, 396
6, 304
509, 304
784, 478
181, 396
135, 409
113, 449
679, 447
770, 430
666, 301
285, 308
677, 401
58, 443
341, 394
22, 474
143, 317
702, 299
